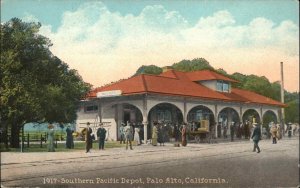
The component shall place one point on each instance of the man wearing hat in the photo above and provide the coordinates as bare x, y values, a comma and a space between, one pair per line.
256, 137
128, 135
101, 133
88, 138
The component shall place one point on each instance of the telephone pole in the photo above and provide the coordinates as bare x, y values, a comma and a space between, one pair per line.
282, 98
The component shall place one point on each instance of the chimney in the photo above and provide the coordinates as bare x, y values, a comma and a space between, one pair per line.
167, 68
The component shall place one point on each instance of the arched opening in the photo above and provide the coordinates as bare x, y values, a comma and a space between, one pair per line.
228, 123
199, 117
165, 114
249, 117
128, 113
199, 113
269, 117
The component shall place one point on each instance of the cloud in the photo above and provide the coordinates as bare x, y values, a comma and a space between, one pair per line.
29, 18
105, 46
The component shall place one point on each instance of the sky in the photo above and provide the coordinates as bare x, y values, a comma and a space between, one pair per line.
109, 40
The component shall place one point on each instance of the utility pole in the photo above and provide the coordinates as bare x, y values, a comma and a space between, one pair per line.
282, 98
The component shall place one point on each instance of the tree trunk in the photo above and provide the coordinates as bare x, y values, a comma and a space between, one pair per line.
14, 138
4, 136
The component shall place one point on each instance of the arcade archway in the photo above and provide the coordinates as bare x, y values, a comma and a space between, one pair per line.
165, 114
227, 117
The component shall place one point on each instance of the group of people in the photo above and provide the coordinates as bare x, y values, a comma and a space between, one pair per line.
236, 129
130, 132
159, 133
89, 137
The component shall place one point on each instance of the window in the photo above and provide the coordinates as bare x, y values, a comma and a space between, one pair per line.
222, 86
163, 115
92, 108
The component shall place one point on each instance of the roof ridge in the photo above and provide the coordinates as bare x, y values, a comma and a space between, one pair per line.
161, 76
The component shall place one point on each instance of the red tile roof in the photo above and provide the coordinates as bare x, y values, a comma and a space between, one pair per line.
207, 75
178, 83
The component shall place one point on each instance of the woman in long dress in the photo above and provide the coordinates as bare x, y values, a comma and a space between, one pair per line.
69, 142
154, 135
137, 136
50, 138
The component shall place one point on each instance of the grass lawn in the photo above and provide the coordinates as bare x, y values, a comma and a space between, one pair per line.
61, 147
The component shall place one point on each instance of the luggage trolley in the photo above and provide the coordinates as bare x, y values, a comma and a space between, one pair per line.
202, 134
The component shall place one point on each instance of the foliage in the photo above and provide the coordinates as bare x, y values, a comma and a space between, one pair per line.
192, 65
150, 69
35, 85
292, 111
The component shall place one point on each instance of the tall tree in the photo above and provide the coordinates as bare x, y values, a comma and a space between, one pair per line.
35, 85
192, 65
150, 69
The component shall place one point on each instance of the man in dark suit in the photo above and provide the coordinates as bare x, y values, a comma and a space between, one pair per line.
88, 138
256, 137
101, 133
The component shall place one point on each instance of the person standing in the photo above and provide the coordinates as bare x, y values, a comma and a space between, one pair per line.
176, 133
273, 132
137, 135
51, 138
232, 128
154, 134
183, 135
289, 129
101, 133
256, 137
88, 138
128, 135
122, 134
225, 131
69, 142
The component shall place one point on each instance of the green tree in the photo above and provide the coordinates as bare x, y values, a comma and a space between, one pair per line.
150, 69
35, 85
192, 65
292, 111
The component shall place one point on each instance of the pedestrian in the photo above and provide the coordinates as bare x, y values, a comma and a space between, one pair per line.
128, 135
289, 129
183, 135
50, 138
122, 133
273, 132
154, 134
160, 135
256, 137
101, 133
246, 130
88, 138
70, 141
176, 133
141, 133
225, 131
232, 128
136, 137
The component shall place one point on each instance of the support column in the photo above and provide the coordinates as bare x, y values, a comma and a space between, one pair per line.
100, 111
241, 114
184, 111
119, 114
216, 120
261, 121
145, 118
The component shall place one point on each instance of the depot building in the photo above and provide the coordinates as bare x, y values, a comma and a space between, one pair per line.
174, 97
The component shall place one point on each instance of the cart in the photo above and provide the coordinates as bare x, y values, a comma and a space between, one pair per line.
202, 134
